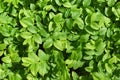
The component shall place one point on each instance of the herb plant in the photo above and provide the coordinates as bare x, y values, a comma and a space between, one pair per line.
59, 40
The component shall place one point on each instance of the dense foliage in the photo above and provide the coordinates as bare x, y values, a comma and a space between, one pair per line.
59, 40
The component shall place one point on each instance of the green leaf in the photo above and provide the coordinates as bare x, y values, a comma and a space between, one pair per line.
77, 64
73, 63
37, 38
69, 23
90, 52
34, 68
100, 45
86, 3
79, 22
73, 37
105, 57
76, 13
58, 18
14, 2
58, 2
26, 35
33, 56
100, 1
1, 53
26, 61
43, 68
98, 20
76, 54
43, 32
108, 68
99, 76
15, 57
32, 29
2, 74
31, 77
26, 21
18, 77
6, 59
74, 75
48, 43
111, 2
59, 45
90, 30
84, 38
48, 7
90, 46
2, 46
88, 57
4, 18
1, 7
13, 76
67, 5
50, 27
32, 6
42, 56
115, 12
102, 31
88, 69
114, 59
59, 35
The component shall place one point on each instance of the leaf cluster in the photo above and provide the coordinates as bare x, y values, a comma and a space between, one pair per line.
59, 39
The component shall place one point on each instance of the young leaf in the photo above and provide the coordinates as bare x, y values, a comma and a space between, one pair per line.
59, 45
2, 46
26, 61
67, 5
50, 27
42, 56
37, 38
74, 75
48, 43
26, 21
76, 12
6, 59
34, 68
26, 35
86, 3
111, 2
32, 29
108, 68
43, 68
58, 2
79, 22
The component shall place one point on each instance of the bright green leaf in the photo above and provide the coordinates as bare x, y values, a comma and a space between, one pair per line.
43, 68
42, 56
108, 68
26, 21
59, 45
37, 38
79, 22
6, 59
26, 35
2, 46
34, 68
48, 43
86, 3
111, 2
26, 61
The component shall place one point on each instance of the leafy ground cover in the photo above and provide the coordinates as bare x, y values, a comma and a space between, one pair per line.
59, 40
